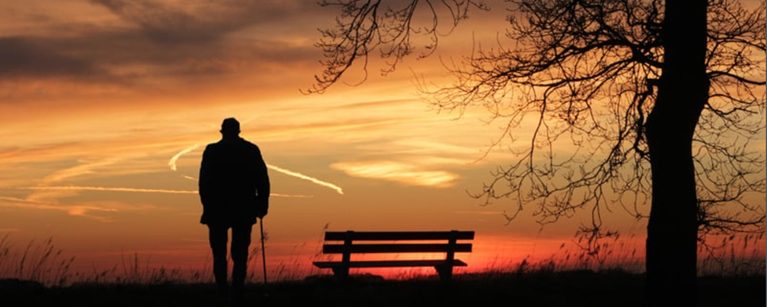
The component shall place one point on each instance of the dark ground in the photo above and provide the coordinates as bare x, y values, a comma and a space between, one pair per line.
574, 288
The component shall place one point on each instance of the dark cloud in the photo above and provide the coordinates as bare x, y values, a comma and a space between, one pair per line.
159, 40
196, 21
21, 56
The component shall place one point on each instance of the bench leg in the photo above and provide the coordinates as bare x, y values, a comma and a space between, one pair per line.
341, 272
445, 271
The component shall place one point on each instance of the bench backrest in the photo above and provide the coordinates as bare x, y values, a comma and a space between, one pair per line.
348, 237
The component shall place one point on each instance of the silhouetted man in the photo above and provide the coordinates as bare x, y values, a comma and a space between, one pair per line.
234, 190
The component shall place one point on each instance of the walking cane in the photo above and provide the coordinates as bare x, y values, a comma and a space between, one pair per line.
263, 255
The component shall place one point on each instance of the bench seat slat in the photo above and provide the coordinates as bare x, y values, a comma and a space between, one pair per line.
398, 235
387, 263
395, 248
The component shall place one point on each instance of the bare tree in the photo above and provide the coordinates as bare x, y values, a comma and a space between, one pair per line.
660, 98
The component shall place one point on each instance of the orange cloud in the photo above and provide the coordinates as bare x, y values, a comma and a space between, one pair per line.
397, 172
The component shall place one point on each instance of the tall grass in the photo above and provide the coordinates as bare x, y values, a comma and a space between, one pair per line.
43, 263
739, 255
724, 255
38, 261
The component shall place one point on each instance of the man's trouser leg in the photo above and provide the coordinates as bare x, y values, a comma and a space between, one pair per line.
240, 245
217, 235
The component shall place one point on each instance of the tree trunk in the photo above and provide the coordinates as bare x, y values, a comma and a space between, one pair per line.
671, 256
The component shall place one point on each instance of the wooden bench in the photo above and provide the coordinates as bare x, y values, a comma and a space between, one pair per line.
349, 244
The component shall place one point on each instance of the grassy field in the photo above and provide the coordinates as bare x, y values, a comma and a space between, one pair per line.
38, 274
538, 288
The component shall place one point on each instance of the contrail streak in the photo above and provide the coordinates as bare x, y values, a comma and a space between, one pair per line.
304, 177
109, 189
172, 162
135, 190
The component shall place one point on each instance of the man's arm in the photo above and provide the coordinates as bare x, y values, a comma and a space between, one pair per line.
203, 184
262, 183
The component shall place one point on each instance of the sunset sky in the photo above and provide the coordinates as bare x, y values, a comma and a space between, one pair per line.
106, 106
